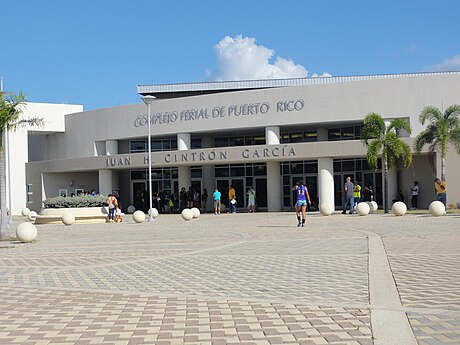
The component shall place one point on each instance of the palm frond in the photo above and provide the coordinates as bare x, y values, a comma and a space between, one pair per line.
454, 138
373, 150
452, 111
430, 113
373, 128
398, 124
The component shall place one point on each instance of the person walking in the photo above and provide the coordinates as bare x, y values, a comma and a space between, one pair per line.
441, 191
232, 199
216, 197
112, 204
301, 203
415, 191
348, 198
356, 194
251, 199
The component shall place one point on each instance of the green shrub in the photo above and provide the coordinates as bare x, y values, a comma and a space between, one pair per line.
76, 201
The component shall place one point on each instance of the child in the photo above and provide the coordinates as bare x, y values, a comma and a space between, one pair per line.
118, 215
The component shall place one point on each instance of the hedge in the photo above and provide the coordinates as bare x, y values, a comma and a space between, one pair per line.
76, 201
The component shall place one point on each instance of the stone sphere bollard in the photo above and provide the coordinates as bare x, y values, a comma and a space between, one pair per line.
154, 212
187, 214
26, 232
399, 208
196, 212
131, 209
326, 209
139, 216
437, 208
31, 215
363, 209
374, 206
25, 211
68, 218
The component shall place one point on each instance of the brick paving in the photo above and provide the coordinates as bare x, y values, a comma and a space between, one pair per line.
229, 279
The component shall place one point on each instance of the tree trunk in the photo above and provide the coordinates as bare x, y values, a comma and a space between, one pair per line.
4, 228
385, 183
443, 168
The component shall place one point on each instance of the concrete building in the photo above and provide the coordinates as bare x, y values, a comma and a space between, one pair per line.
27, 144
266, 134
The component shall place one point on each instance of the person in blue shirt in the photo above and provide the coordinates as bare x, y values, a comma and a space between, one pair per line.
216, 197
301, 204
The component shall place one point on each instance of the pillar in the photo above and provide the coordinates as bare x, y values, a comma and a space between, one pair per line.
273, 186
326, 182
209, 180
105, 181
185, 176
272, 135
111, 147
322, 134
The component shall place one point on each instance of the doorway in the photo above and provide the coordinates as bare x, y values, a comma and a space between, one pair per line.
223, 185
261, 192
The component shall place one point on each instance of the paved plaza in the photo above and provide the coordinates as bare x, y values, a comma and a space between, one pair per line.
236, 279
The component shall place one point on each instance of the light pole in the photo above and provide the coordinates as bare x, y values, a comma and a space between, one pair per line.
148, 100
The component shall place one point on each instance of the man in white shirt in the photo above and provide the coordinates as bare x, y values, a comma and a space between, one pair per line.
415, 192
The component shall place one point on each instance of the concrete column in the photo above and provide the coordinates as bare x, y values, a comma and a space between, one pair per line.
322, 134
111, 147
326, 182
105, 181
185, 177
274, 186
272, 135
184, 141
209, 180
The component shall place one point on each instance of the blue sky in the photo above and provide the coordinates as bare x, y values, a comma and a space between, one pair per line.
95, 52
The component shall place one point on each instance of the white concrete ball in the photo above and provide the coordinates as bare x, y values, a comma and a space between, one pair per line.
374, 206
154, 212
26, 232
25, 211
31, 216
196, 212
326, 209
437, 208
68, 218
399, 208
187, 214
131, 209
139, 216
363, 209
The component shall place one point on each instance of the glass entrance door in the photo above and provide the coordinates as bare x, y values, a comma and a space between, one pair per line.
139, 192
238, 183
261, 192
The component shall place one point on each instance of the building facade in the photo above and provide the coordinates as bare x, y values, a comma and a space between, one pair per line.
264, 134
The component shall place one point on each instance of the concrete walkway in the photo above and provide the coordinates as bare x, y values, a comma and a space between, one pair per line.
236, 279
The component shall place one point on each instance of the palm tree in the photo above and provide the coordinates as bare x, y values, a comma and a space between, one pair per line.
382, 139
10, 111
441, 130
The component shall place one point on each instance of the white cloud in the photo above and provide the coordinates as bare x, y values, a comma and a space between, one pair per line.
240, 58
452, 64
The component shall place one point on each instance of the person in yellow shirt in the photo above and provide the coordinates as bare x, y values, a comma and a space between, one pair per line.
357, 193
232, 199
441, 191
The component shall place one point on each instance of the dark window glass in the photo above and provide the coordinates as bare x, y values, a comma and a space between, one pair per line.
365, 165
138, 146
173, 144
166, 173
285, 138
260, 170
222, 172
286, 190
285, 168
259, 140
334, 134
286, 180
348, 133
287, 201
311, 167
358, 164
348, 165
236, 141
174, 173
157, 174
195, 172
138, 174
248, 141
196, 143
310, 136
249, 181
249, 170
296, 137
337, 165
156, 145
236, 171
166, 145
296, 168
358, 132
379, 164
221, 142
